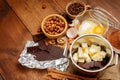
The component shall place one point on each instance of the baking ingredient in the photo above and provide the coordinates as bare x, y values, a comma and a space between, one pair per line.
87, 54
54, 25
72, 33
90, 26
90, 55
61, 40
114, 39
44, 52
75, 8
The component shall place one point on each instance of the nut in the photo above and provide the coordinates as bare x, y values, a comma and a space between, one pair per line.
54, 25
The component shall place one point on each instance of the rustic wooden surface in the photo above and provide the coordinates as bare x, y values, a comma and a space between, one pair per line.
17, 25
31, 12
13, 36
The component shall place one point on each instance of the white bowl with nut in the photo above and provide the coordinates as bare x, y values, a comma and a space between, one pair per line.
54, 26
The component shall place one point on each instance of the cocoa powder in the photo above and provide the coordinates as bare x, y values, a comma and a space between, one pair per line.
114, 39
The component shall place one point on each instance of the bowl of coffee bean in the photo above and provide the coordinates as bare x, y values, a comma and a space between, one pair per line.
54, 26
74, 8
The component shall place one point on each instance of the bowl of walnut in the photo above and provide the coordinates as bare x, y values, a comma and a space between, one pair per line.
54, 26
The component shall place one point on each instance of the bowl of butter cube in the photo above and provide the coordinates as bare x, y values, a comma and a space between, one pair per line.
91, 53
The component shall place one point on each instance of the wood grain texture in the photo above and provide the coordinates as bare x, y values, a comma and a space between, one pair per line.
13, 36
14, 33
31, 12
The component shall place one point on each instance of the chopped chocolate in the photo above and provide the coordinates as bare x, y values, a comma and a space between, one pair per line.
93, 65
43, 56
45, 52
33, 49
105, 61
98, 64
40, 55
88, 65
42, 45
38, 37
55, 51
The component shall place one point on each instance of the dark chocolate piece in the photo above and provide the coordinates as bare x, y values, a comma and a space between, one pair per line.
42, 45
33, 49
45, 52
55, 51
98, 64
40, 55
88, 65
43, 56
93, 65
38, 37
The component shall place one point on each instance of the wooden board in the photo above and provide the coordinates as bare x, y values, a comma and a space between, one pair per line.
31, 12
14, 34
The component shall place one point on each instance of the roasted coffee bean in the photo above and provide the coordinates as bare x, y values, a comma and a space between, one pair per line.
75, 8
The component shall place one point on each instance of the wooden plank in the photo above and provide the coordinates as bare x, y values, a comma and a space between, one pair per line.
13, 36
31, 12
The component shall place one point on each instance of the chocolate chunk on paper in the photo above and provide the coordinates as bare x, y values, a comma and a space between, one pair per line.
43, 56
42, 45
33, 49
55, 51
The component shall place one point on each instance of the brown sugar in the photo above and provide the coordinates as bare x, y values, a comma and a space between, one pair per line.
114, 39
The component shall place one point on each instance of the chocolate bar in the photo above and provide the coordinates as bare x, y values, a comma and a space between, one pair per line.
44, 52
42, 45
38, 37
55, 51
33, 49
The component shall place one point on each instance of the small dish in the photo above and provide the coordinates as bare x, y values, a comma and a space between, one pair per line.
74, 8
54, 26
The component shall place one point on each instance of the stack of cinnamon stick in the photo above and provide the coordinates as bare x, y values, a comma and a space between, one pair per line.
59, 75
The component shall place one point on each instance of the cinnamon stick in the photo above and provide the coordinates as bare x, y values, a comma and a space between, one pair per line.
69, 75
48, 77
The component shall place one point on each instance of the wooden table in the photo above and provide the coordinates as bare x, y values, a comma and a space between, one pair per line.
21, 18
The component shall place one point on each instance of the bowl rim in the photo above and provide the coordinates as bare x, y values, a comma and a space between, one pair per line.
43, 22
97, 70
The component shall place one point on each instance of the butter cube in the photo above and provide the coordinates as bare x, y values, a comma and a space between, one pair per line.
94, 48
86, 57
91, 54
97, 57
102, 54
84, 45
80, 52
86, 50
75, 57
81, 60
108, 51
